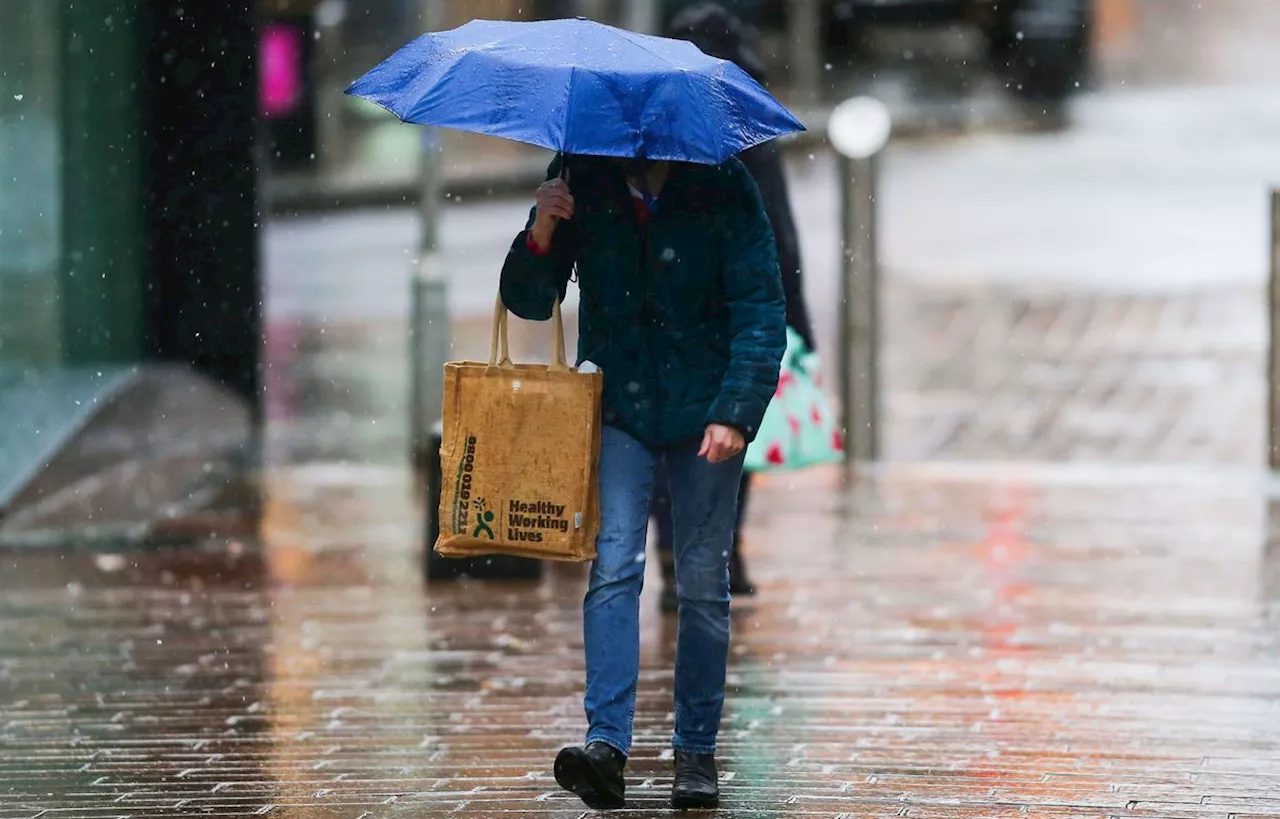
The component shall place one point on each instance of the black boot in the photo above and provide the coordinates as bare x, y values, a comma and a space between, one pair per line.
696, 785
669, 601
739, 584
594, 773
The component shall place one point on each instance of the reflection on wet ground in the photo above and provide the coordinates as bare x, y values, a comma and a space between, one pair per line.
930, 644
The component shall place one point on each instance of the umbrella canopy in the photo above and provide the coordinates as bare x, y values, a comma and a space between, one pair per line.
578, 87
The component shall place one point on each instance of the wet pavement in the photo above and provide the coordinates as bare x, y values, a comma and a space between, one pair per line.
933, 643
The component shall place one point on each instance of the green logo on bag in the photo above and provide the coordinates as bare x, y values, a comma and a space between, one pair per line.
484, 516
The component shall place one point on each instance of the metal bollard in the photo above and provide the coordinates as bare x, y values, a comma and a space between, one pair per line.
331, 146
1273, 349
805, 49
430, 335
858, 130
593, 10
642, 16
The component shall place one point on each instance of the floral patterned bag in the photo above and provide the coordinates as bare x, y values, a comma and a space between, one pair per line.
800, 427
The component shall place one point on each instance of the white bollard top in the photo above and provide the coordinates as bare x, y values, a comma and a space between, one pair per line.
859, 127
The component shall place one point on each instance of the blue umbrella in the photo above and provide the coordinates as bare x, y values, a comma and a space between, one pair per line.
578, 87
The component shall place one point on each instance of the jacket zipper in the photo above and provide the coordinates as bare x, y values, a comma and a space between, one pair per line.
652, 334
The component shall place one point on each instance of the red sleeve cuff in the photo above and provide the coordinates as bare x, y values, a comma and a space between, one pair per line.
533, 246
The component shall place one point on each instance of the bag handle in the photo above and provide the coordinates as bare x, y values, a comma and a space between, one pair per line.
498, 339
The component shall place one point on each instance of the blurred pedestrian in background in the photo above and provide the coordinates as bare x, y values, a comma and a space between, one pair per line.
722, 34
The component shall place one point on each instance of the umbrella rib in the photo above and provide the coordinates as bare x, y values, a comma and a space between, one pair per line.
638, 41
568, 106
635, 40
702, 113
568, 110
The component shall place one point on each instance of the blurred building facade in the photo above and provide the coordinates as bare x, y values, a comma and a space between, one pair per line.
128, 212
127, 159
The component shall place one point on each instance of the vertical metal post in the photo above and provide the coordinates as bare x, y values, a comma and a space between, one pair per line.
330, 15
430, 336
805, 50
1273, 349
641, 16
593, 10
859, 310
858, 130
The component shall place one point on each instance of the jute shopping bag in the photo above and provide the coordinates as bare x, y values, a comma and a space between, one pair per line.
520, 454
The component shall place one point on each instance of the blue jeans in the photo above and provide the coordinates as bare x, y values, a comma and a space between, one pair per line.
660, 510
704, 507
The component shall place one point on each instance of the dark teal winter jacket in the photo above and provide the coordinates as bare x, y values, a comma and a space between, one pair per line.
685, 316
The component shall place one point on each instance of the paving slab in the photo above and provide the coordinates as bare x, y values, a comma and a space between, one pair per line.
928, 642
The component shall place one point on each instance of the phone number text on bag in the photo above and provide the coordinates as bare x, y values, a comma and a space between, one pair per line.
462, 491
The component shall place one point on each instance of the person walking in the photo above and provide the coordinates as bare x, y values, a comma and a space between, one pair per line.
682, 309
722, 34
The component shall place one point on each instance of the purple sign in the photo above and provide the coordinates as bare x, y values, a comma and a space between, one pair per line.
280, 77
